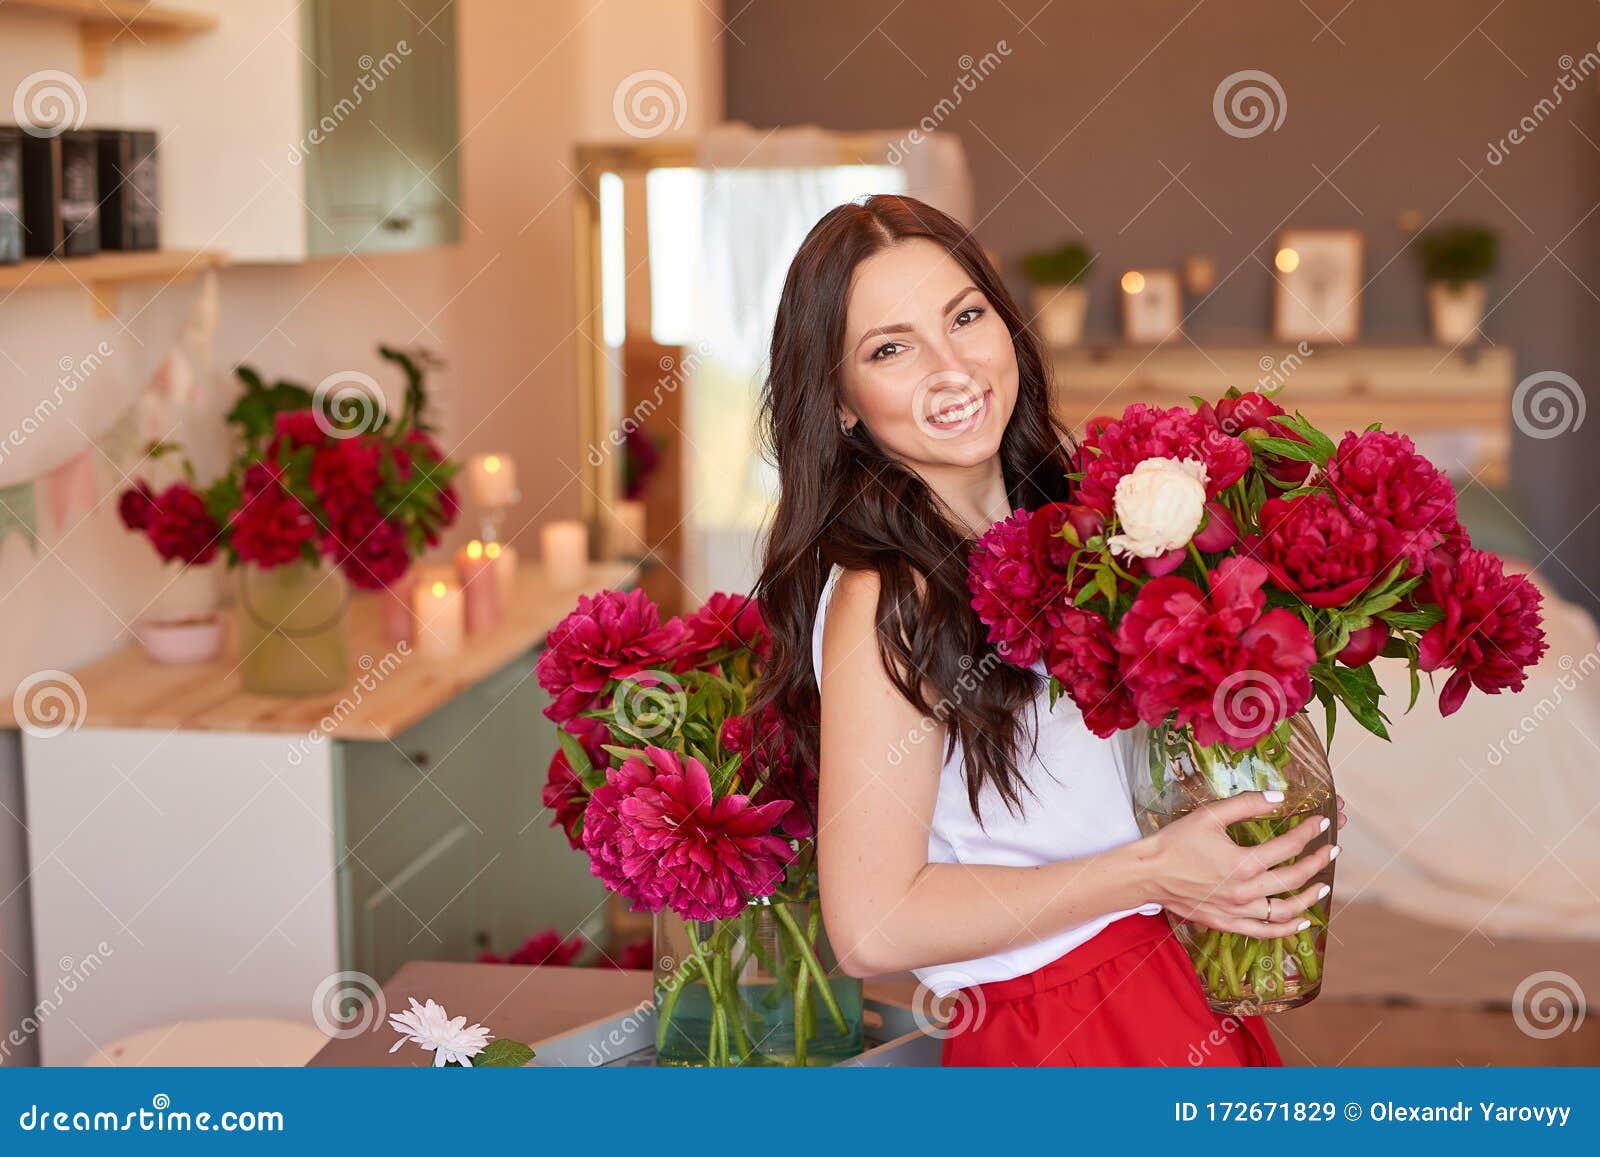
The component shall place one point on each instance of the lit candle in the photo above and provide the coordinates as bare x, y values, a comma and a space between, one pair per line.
564, 547
492, 479
627, 531
504, 557
399, 619
441, 624
480, 589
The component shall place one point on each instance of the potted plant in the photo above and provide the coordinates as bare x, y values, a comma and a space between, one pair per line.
325, 491
1455, 261
1218, 568
694, 808
1059, 302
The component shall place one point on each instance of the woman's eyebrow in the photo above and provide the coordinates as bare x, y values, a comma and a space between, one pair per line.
902, 327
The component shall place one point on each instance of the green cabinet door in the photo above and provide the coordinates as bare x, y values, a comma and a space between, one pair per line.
380, 91
444, 845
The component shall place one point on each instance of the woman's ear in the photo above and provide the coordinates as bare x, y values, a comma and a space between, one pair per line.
847, 419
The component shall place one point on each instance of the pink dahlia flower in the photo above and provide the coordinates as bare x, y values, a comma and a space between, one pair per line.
610, 636
656, 835
1229, 667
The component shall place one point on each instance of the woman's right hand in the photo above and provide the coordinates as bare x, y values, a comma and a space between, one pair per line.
1198, 873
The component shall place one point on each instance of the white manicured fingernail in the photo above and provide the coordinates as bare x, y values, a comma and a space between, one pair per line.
1323, 825
1272, 796
1323, 891
1302, 926
1334, 855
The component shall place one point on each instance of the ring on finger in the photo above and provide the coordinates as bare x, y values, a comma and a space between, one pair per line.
1269, 909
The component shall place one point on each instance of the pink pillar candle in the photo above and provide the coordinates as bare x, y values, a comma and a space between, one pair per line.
480, 587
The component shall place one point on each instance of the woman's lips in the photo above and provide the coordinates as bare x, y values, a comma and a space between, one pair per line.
962, 415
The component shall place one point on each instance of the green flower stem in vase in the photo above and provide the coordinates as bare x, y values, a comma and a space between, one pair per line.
745, 990
1242, 974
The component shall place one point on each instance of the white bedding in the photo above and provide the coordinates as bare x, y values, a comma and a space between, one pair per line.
1488, 820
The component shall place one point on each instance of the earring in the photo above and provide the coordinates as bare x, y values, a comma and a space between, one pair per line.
846, 428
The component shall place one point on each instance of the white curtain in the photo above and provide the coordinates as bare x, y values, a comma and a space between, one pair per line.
761, 192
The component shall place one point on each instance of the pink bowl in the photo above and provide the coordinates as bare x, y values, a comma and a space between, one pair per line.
191, 640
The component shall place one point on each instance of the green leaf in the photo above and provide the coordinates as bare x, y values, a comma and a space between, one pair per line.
590, 776
503, 1053
1287, 448
1330, 706
1412, 620
1358, 688
722, 777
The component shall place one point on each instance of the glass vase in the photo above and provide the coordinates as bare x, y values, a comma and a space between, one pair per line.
761, 988
294, 636
1241, 974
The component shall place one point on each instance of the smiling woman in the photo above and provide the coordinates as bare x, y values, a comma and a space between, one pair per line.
908, 411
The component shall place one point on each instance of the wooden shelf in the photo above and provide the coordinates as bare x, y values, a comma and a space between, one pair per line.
103, 273
102, 23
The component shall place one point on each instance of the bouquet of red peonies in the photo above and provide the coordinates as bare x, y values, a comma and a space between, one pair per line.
688, 803
1221, 566
318, 475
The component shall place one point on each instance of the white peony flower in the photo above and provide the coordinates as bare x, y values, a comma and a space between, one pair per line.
1159, 506
432, 1028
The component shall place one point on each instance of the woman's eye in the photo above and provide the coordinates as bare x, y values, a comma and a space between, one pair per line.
880, 353
971, 315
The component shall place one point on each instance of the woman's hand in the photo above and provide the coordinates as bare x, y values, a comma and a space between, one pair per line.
1198, 873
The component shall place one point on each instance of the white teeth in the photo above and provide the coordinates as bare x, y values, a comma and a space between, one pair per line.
951, 417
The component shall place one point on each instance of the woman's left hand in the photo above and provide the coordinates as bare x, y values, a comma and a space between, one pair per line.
1339, 803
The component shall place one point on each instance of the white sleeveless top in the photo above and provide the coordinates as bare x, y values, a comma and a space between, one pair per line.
1080, 803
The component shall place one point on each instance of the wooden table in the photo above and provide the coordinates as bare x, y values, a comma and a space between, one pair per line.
525, 1004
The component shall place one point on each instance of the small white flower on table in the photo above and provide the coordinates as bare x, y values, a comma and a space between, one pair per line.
434, 1029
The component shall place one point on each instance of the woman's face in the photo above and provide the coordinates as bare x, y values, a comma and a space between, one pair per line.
928, 364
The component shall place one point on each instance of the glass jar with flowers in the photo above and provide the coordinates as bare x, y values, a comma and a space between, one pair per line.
326, 491
691, 807
1220, 567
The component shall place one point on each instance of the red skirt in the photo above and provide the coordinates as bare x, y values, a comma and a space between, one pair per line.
1128, 996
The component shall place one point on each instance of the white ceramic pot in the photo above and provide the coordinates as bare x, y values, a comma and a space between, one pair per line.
188, 640
1456, 311
1058, 313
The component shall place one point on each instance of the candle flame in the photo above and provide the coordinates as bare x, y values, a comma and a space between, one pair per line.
438, 590
492, 550
491, 464
474, 550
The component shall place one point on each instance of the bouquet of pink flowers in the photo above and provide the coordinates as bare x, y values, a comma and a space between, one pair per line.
1223, 565
687, 802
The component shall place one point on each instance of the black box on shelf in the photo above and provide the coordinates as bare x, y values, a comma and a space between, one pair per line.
10, 195
130, 213
61, 194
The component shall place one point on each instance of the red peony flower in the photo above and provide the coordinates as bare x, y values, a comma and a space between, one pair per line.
1112, 450
769, 755
179, 525
1381, 477
1010, 591
1052, 552
545, 947
271, 525
1227, 666
636, 955
723, 623
1492, 629
370, 550
565, 794
610, 636
1254, 411
297, 428
136, 505
1365, 644
1313, 548
344, 474
655, 834
1083, 656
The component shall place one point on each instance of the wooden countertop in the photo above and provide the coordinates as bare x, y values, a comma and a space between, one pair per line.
525, 1004
129, 689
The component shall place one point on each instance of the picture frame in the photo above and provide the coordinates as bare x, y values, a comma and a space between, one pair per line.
1317, 279
1152, 306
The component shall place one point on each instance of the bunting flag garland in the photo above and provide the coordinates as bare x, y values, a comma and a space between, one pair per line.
70, 488
18, 514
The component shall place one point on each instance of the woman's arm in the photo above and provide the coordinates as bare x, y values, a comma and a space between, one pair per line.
888, 908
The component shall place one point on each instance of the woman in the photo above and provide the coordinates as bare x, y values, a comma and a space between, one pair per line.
967, 831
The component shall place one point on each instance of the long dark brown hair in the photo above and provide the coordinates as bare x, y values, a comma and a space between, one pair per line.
843, 499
